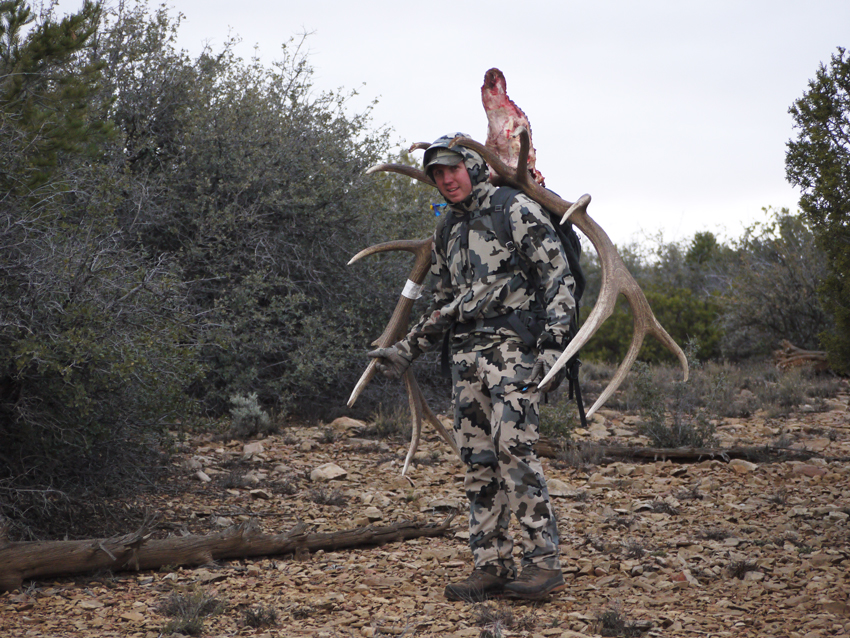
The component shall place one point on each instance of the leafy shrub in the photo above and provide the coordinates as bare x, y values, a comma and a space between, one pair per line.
772, 289
248, 417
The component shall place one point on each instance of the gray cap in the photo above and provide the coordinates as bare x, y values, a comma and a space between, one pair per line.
440, 155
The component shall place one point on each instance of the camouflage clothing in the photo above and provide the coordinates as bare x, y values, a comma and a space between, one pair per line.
496, 412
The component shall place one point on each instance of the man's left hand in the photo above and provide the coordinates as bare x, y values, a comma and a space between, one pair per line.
545, 362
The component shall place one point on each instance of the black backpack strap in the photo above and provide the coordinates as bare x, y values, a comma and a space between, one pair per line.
500, 203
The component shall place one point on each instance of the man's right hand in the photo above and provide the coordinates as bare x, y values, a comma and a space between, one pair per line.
391, 363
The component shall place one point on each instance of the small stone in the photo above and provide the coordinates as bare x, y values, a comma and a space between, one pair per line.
307, 446
328, 472
598, 480
598, 431
256, 447
347, 426
261, 494
809, 470
557, 487
742, 467
373, 513
202, 476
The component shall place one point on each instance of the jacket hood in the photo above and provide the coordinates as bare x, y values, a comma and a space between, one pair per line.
479, 174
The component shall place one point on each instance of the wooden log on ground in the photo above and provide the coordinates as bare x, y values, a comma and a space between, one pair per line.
603, 454
790, 356
21, 561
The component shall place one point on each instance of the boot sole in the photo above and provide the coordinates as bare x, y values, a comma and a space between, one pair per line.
537, 595
477, 597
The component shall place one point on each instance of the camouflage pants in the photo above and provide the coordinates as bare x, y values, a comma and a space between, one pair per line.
496, 427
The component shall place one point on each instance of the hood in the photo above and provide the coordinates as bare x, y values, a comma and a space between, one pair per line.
479, 174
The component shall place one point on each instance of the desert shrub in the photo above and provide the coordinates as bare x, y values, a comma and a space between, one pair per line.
772, 289
188, 610
248, 417
559, 418
97, 341
390, 423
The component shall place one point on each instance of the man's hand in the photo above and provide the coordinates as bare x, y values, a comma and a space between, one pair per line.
545, 362
391, 363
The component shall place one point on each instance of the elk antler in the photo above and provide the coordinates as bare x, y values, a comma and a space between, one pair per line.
616, 278
394, 331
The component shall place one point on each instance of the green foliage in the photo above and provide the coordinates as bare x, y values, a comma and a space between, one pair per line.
772, 288
95, 340
683, 314
46, 94
248, 417
254, 181
818, 161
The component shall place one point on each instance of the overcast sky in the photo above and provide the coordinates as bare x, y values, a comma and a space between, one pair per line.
672, 114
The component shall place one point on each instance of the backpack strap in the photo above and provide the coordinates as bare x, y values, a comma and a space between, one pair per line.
500, 203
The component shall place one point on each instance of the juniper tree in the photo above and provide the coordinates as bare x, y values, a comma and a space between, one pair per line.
818, 161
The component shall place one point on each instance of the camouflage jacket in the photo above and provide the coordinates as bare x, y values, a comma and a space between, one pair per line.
477, 279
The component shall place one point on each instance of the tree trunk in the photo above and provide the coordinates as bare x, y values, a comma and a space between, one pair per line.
136, 551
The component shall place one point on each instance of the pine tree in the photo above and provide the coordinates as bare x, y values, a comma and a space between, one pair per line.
818, 161
46, 87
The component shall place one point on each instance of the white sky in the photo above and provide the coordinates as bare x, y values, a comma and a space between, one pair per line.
672, 114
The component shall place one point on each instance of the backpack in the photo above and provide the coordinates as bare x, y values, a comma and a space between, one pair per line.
500, 204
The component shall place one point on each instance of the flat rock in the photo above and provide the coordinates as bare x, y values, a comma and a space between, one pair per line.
255, 447
348, 426
328, 472
558, 487
809, 470
742, 467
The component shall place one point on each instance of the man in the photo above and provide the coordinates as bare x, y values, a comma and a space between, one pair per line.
492, 299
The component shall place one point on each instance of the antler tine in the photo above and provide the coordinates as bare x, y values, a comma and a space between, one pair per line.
616, 278
421, 248
403, 169
418, 408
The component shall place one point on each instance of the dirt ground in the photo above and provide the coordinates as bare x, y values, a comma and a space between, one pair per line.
711, 548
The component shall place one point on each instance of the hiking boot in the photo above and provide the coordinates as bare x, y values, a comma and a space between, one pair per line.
535, 583
478, 586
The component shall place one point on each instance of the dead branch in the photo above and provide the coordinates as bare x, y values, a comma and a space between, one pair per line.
603, 454
137, 551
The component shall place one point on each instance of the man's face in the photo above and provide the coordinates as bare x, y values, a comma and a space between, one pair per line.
452, 181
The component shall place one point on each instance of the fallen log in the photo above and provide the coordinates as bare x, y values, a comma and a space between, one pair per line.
21, 561
790, 356
603, 454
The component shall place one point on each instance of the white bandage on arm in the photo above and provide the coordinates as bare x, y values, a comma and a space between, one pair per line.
412, 290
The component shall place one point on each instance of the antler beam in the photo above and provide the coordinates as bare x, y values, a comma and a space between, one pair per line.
394, 331
616, 278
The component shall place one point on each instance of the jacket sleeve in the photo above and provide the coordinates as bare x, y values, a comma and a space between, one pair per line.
554, 282
434, 323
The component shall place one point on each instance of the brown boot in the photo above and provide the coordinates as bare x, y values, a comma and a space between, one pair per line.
478, 586
535, 583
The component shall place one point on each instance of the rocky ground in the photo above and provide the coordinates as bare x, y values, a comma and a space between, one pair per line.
712, 548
